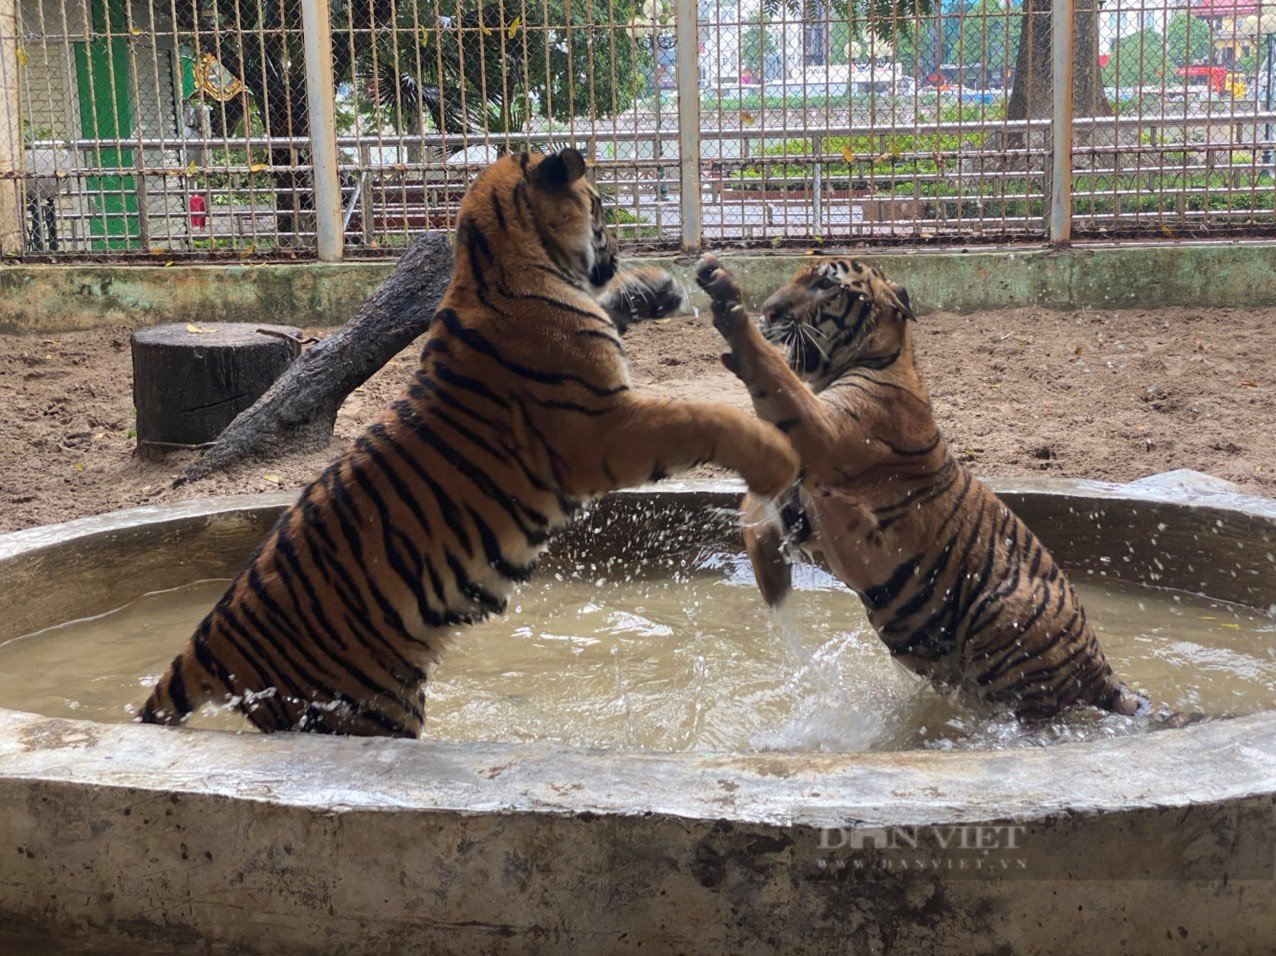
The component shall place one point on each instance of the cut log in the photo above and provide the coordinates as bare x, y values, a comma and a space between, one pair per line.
299, 410
190, 381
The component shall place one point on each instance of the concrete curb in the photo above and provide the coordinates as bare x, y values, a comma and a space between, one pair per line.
55, 298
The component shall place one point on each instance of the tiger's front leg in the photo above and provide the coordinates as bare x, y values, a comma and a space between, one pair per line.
779, 396
763, 531
773, 532
641, 440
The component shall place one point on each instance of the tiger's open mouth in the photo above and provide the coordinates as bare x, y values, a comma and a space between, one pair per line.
799, 342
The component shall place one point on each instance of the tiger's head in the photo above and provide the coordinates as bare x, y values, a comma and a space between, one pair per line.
834, 316
539, 206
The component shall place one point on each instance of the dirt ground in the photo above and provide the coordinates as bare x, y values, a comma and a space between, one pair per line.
1107, 395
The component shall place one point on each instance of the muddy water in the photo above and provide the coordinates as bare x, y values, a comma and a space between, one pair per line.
690, 663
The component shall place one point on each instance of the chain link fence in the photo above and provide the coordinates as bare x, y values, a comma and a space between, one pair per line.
183, 128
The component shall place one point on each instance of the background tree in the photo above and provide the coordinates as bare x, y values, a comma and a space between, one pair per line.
496, 67
1187, 40
1027, 46
260, 43
1031, 93
757, 45
476, 67
988, 41
983, 39
841, 41
887, 20
1137, 60
908, 46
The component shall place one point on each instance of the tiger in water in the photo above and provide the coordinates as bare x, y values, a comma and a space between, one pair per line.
959, 589
519, 413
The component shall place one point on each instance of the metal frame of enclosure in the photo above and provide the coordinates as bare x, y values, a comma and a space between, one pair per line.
329, 129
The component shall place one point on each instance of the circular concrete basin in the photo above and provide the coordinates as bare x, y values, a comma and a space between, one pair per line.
132, 836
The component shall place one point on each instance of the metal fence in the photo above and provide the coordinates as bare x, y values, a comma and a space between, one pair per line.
330, 128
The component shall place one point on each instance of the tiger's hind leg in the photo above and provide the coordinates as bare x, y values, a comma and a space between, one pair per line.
1124, 700
763, 532
343, 719
336, 716
182, 689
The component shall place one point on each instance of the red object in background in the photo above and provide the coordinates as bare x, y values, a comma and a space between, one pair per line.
198, 208
1103, 59
1212, 77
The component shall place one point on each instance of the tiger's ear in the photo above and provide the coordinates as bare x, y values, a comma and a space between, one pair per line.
901, 300
559, 169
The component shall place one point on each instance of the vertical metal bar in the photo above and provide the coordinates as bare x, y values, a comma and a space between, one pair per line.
659, 151
686, 33
1062, 26
817, 150
1268, 37
320, 94
10, 133
143, 209
367, 208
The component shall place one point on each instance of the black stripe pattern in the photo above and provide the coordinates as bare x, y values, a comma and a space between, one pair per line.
442, 505
954, 583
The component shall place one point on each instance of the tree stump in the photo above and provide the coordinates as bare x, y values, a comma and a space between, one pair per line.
190, 381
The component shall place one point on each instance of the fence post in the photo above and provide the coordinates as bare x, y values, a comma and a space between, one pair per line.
320, 96
686, 35
1062, 29
817, 149
10, 133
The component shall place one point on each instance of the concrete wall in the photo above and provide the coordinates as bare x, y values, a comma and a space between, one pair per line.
126, 836
47, 298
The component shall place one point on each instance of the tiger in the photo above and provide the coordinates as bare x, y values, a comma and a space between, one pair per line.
519, 414
953, 582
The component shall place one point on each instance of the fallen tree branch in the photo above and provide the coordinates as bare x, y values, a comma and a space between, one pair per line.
300, 409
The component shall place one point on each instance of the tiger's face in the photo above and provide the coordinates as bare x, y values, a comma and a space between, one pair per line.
569, 215
835, 316
527, 205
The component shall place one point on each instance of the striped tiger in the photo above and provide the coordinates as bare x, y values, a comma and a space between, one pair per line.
519, 413
957, 586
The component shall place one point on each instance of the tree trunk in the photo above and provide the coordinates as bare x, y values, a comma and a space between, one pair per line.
189, 382
300, 409
1031, 95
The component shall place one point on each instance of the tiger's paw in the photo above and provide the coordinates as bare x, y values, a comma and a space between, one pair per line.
640, 294
729, 317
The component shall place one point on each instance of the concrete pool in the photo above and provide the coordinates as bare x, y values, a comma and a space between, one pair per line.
129, 834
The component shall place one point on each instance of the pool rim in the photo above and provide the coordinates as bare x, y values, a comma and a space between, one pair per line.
1231, 760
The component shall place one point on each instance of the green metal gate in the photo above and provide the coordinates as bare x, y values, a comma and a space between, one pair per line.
104, 83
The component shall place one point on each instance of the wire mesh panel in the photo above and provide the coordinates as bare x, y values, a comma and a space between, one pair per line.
181, 127
1175, 139
431, 91
161, 127
846, 120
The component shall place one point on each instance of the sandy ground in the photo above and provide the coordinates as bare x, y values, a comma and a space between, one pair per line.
1106, 395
